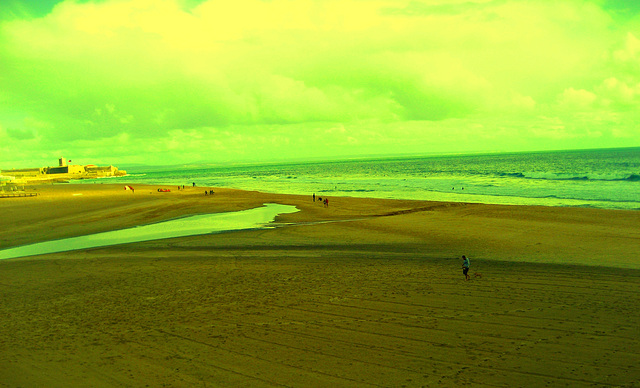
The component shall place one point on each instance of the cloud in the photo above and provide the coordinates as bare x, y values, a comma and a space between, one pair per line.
619, 92
162, 75
573, 98
630, 52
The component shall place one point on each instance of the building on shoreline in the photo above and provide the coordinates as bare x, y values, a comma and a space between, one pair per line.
63, 172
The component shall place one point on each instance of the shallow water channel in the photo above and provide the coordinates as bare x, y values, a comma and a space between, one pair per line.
257, 218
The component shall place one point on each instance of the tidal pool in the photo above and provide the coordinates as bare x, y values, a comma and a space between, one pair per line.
257, 218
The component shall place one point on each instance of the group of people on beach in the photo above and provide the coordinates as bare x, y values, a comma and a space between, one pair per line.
325, 201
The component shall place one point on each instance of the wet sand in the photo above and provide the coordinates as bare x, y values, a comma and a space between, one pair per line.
373, 297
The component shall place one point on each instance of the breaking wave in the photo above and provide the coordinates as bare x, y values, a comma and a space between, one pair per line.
573, 177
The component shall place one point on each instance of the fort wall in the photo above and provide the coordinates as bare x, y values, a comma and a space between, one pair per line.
61, 173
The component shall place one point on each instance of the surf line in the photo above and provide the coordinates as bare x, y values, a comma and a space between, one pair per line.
256, 218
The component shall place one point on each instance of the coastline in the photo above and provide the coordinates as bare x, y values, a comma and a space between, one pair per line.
558, 235
377, 299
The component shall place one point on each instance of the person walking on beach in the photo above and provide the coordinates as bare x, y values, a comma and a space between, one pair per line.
465, 267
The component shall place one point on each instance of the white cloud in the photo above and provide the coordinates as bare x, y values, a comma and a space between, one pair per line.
580, 98
630, 52
523, 102
617, 91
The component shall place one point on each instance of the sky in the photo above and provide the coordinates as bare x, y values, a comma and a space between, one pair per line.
164, 82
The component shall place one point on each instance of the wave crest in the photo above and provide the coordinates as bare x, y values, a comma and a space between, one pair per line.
574, 177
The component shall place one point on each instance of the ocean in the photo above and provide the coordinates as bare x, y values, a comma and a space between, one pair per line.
602, 178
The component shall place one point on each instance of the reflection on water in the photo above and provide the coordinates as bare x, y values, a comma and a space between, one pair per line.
188, 226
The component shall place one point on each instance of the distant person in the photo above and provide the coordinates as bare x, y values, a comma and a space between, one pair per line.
465, 267
205, 192
314, 197
194, 184
326, 202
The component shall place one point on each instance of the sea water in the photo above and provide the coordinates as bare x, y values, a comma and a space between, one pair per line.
604, 178
257, 218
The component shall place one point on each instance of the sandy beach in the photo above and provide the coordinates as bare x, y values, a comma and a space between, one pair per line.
366, 292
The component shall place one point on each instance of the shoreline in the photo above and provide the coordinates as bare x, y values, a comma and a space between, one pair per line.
458, 197
600, 237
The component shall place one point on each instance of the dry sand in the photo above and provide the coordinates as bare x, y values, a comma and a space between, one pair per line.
374, 297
